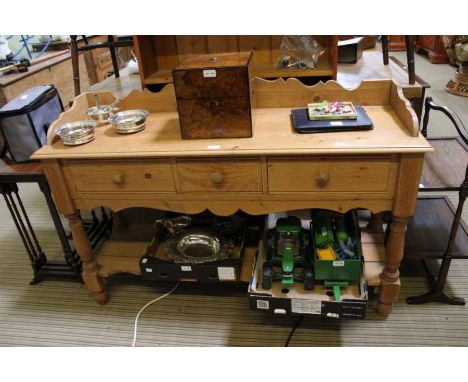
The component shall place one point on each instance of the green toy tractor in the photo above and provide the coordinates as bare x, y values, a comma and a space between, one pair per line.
287, 250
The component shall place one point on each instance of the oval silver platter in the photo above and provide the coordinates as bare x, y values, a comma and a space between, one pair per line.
196, 246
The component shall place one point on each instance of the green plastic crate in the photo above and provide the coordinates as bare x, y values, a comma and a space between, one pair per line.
341, 270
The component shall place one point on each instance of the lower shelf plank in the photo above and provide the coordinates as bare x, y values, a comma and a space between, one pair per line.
373, 251
118, 256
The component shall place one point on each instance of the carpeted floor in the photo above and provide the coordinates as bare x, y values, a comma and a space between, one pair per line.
61, 313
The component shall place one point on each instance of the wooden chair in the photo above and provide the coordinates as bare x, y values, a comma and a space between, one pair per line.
409, 40
437, 230
111, 44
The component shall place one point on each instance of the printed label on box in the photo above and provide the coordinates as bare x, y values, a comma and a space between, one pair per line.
263, 304
227, 273
306, 306
209, 73
336, 123
339, 263
186, 268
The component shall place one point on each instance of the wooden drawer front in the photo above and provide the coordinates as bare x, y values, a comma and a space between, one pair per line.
220, 175
329, 174
104, 61
225, 117
227, 82
133, 176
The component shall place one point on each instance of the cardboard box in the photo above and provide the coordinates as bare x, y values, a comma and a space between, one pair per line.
156, 266
295, 300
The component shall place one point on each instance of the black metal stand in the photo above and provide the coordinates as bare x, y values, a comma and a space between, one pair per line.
437, 294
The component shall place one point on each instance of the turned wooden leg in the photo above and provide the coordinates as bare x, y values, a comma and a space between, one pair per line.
90, 268
390, 276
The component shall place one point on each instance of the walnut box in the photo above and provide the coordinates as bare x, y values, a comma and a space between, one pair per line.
214, 94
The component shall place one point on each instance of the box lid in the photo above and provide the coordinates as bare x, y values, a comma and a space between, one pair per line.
25, 99
215, 60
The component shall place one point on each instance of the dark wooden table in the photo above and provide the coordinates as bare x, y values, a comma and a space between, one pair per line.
12, 174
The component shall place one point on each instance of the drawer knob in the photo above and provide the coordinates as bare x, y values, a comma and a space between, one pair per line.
322, 179
212, 103
117, 178
217, 177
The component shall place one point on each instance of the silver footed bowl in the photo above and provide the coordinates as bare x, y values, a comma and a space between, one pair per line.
76, 133
129, 121
101, 114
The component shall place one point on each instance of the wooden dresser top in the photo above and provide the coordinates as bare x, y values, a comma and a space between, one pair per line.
272, 135
395, 125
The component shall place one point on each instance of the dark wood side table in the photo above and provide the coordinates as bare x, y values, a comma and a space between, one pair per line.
10, 176
409, 41
111, 44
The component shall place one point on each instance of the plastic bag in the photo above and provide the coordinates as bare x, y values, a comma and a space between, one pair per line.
300, 52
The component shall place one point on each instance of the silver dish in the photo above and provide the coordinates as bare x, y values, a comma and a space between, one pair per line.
196, 246
76, 133
129, 121
101, 114
81, 141
131, 130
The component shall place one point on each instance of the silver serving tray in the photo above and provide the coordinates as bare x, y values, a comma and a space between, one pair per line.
196, 246
129, 121
76, 133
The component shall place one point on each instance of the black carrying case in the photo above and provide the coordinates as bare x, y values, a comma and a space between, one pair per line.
25, 120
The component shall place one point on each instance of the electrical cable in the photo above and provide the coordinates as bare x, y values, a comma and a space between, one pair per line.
298, 322
148, 304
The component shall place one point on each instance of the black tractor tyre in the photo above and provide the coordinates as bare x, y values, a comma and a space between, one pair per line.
267, 275
308, 278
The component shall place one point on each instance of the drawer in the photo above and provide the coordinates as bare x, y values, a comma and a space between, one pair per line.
125, 176
224, 117
104, 60
220, 175
330, 174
